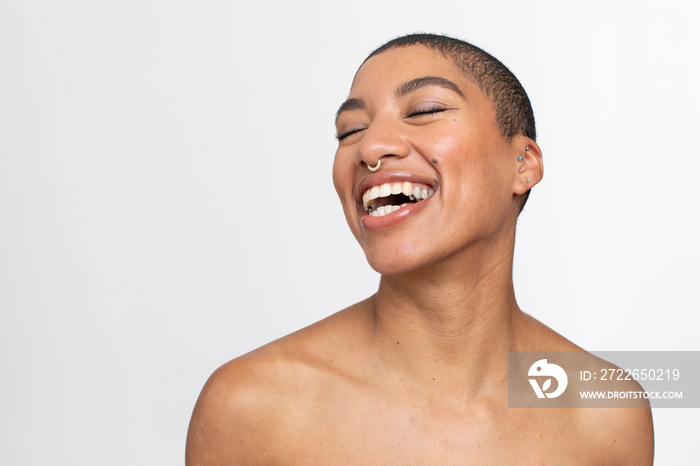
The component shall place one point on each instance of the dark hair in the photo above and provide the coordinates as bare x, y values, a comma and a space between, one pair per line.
513, 110
514, 114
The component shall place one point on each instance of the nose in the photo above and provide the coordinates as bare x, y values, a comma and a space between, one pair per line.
381, 139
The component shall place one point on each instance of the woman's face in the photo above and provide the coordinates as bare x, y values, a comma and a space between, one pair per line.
436, 135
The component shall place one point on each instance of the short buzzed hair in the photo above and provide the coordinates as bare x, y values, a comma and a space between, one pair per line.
513, 110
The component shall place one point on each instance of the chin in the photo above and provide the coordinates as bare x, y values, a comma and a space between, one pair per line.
392, 261
388, 268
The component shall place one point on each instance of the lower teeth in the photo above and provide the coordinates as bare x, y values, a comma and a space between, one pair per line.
382, 211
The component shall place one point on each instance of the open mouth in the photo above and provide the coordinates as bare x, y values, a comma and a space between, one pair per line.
389, 197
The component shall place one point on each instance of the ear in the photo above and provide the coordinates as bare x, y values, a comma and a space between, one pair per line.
529, 170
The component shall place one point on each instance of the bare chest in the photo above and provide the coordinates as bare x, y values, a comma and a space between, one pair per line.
395, 433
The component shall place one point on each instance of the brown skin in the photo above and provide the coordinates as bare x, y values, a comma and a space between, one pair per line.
417, 373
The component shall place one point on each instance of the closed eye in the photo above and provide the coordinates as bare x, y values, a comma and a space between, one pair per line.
412, 114
426, 111
342, 135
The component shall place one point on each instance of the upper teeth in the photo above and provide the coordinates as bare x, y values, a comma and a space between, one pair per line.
413, 191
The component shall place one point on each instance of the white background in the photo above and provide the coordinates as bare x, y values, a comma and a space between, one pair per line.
166, 200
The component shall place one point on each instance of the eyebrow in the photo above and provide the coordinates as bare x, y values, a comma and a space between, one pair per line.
350, 104
415, 84
403, 89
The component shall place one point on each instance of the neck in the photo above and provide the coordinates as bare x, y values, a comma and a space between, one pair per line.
455, 319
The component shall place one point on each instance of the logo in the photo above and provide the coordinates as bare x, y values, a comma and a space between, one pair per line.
542, 368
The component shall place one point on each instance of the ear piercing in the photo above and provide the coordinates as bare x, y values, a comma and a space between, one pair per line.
520, 157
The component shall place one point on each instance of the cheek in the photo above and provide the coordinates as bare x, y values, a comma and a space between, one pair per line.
343, 181
471, 168
455, 142
457, 156
342, 174
447, 139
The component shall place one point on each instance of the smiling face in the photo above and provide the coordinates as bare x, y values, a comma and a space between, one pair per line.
449, 182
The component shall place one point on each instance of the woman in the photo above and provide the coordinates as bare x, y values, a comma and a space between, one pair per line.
435, 161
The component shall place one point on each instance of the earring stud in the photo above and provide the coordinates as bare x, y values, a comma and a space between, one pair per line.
520, 158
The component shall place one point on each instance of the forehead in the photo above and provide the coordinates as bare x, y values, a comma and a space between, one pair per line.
400, 61
384, 72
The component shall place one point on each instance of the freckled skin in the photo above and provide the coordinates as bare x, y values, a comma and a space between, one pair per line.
417, 373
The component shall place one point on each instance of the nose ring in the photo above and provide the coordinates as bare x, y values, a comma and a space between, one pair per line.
376, 167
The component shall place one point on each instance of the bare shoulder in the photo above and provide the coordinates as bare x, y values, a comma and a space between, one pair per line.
233, 414
536, 336
618, 435
249, 407
624, 432
609, 435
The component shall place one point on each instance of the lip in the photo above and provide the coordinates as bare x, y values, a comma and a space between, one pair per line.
375, 223
389, 220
